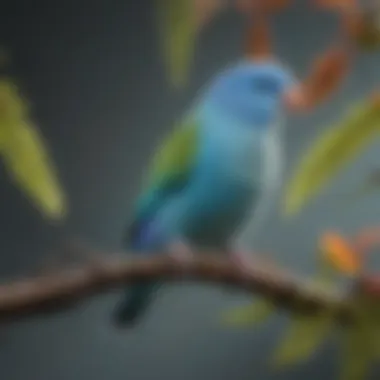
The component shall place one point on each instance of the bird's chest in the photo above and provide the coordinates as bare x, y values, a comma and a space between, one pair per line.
244, 156
237, 156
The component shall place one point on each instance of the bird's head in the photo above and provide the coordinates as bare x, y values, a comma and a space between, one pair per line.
254, 92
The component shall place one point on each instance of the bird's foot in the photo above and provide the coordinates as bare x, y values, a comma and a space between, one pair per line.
181, 253
243, 261
246, 262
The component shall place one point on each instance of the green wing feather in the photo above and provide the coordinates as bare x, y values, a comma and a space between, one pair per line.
169, 173
175, 158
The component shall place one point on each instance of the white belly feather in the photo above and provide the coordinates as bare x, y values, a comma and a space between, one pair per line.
273, 159
272, 164
254, 156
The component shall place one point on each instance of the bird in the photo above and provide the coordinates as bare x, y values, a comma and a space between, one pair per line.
221, 164
216, 165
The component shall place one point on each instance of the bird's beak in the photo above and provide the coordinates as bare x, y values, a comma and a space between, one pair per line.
295, 99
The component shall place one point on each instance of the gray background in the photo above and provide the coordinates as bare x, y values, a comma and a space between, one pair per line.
92, 72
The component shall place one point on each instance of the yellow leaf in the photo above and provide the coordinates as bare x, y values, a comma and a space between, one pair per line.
27, 162
357, 354
359, 346
253, 314
12, 107
178, 29
376, 340
329, 154
25, 155
302, 338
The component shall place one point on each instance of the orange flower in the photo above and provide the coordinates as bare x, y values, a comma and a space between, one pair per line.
265, 5
339, 253
327, 73
337, 4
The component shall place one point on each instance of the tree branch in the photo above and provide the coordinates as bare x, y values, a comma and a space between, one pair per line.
66, 288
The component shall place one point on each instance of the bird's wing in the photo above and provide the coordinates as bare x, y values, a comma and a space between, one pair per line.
169, 172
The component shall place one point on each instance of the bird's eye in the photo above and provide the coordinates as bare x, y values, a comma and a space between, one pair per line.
266, 86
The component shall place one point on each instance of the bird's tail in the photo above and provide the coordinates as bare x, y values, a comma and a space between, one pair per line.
134, 304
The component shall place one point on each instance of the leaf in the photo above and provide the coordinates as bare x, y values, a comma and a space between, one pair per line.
359, 346
272, 6
367, 36
363, 23
178, 30
373, 325
357, 355
329, 154
376, 340
303, 337
253, 314
26, 157
205, 10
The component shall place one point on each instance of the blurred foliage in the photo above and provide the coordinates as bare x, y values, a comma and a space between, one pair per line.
303, 336
359, 342
177, 23
330, 153
358, 338
25, 155
368, 34
180, 23
248, 315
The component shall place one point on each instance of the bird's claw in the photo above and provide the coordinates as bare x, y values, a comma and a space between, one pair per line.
243, 261
246, 262
181, 253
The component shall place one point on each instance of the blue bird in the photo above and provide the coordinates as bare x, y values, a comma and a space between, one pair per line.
211, 171
222, 163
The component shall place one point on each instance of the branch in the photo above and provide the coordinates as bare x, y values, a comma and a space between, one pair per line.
68, 287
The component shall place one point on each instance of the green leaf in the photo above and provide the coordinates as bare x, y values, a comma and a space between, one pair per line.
302, 338
178, 31
375, 326
252, 314
329, 154
376, 340
357, 354
360, 339
26, 157
368, 36
359, 344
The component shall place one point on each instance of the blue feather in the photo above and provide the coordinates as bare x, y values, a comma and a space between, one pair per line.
211, 200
